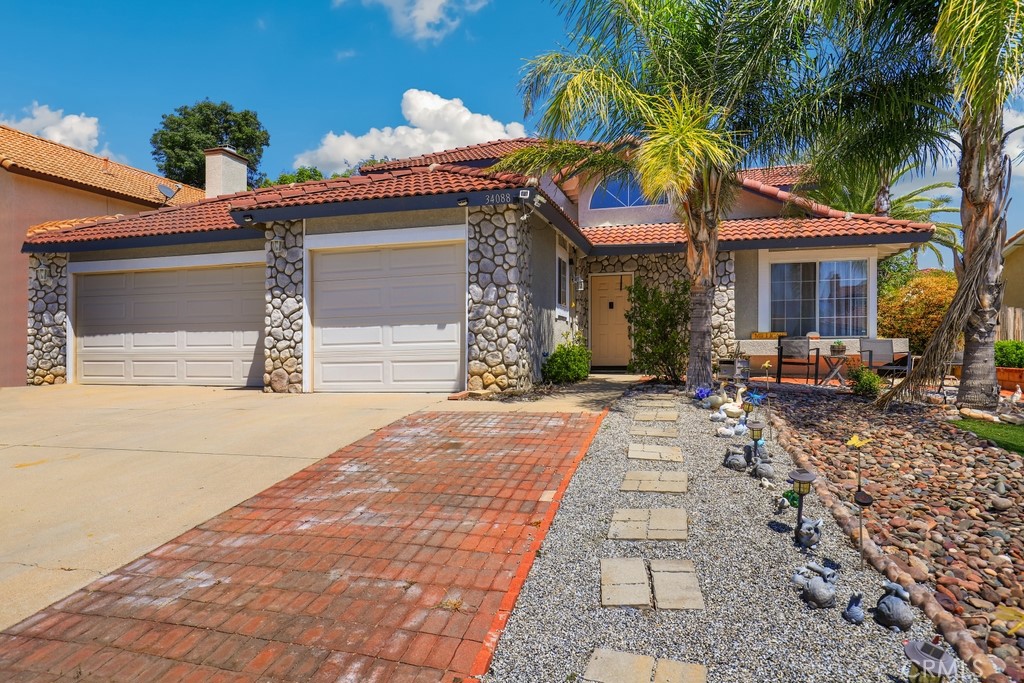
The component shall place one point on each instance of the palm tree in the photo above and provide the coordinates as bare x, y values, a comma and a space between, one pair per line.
680, 94
860, 195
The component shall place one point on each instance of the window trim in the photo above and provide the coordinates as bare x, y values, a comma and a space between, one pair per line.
765, 259
631, 178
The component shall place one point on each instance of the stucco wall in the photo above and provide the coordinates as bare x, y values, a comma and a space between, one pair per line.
550, 327
1013, 276
746, 292
386, 221
24, 202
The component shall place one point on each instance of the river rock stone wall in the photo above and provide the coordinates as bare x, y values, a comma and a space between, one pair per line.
282, 369
47, 316
661, 269
723, 311
500, 333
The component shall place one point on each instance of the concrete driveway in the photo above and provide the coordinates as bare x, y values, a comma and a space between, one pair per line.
93, 477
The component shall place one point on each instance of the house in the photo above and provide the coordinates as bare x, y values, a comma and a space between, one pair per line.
1011, 316
428, 274
42, 181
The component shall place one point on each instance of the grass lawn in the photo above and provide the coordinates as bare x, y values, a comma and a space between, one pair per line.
1010, 437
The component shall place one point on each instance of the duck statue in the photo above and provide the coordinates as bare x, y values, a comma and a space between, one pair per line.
734, 409
715, 401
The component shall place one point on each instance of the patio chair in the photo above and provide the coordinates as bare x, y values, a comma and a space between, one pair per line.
797, 351
879, 355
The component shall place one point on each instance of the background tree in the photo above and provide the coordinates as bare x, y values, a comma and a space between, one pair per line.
677, 93
299, 175
179, 142
915, 310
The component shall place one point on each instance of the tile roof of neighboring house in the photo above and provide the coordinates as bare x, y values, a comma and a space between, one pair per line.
215, 214
753, 229
494, 149
779, 176
1013, 243
21, 152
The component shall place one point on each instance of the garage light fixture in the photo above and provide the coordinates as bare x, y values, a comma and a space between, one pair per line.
462, 201
247, 218
43, 275
277, 246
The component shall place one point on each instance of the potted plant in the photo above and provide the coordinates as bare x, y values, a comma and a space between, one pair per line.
838, 348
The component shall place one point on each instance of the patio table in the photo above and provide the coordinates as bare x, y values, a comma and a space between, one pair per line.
835, 369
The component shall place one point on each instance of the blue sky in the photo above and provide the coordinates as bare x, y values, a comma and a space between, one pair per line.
332, 81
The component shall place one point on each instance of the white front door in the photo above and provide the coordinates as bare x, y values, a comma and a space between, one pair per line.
390, 318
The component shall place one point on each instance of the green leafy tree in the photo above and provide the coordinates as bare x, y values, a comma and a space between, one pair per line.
895, 272
678, 93
179, 142
299, 175
658, 322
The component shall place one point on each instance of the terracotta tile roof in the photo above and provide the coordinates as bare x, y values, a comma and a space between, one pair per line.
66, 224
1013, 243
21, 152
215, 213
754, 229
779, 176
414, 182
495, 149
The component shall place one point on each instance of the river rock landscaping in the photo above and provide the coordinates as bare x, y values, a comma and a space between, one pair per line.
753, 625
949, 506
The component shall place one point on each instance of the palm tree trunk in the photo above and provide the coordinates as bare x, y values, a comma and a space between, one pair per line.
701, 252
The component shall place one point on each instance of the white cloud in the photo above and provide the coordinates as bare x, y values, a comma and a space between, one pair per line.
74, 130
435, 123
342, 55
425, 19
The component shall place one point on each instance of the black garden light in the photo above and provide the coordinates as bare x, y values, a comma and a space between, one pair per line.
802, 479
929, 663
756, 430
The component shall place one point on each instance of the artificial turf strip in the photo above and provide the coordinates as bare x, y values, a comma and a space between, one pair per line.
1010, 437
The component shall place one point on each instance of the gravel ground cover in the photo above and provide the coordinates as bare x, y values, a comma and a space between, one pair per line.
755, 628
949, 505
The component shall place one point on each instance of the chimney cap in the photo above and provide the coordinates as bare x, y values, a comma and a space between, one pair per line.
225, 149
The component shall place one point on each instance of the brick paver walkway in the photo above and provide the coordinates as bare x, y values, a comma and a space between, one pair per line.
396, 559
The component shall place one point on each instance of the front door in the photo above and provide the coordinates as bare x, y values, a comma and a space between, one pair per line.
609, 333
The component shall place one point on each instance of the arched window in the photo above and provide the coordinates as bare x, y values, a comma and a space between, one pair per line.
621, 191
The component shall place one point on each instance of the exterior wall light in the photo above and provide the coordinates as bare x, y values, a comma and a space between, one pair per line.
277, 246
43, 275
580, 284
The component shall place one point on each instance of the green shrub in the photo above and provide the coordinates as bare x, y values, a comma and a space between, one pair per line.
568, 363
1010, 354
659, 323
866, 382
915, 310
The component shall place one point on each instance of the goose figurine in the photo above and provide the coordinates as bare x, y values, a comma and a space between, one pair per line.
735, 408
740, 429
1015, 399
717, 416
716, 400
726, 432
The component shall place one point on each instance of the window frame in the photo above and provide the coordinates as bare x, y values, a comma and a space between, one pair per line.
563, 290
627, 180
767, 258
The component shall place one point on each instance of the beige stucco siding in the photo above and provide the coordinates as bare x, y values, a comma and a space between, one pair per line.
25, 202
1013, 276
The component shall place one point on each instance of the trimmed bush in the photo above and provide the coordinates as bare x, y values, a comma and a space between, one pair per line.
1010, 354
866, 382
568, 363
659, 322
915, 310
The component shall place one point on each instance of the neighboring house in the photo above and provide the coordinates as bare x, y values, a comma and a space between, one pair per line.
42, 181
430, 274
1013, 271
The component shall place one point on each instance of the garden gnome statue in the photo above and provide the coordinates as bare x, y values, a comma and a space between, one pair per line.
893, 609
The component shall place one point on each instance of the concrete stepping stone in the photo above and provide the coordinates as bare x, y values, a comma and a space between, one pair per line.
675, 585
643, 451
656, 416
666, 432
658, 524
624, 583
613, 666
648, 403
659, 397
654, 482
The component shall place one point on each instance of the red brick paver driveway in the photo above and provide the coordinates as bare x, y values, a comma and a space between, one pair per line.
396, 559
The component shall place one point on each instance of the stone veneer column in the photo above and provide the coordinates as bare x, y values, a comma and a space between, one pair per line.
723, 307
500, 334
47, 313
282, 370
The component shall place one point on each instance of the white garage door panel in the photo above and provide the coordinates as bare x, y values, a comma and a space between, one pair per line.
389, 319
201, 326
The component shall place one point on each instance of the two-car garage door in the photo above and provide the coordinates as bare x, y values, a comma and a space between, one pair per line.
383, 318
199, 326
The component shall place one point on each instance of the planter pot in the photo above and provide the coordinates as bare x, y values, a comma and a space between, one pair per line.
837, 350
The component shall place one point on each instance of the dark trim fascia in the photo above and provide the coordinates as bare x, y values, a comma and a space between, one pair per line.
748, 245
567, 227
56, 180
392, 204
232, 234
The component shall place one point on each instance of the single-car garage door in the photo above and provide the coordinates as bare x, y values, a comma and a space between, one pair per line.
389, 319
201, 326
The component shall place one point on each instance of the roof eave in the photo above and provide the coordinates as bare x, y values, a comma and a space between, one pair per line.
775, 243
30, 173
103, 244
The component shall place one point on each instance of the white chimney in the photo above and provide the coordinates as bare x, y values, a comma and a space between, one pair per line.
226, 171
